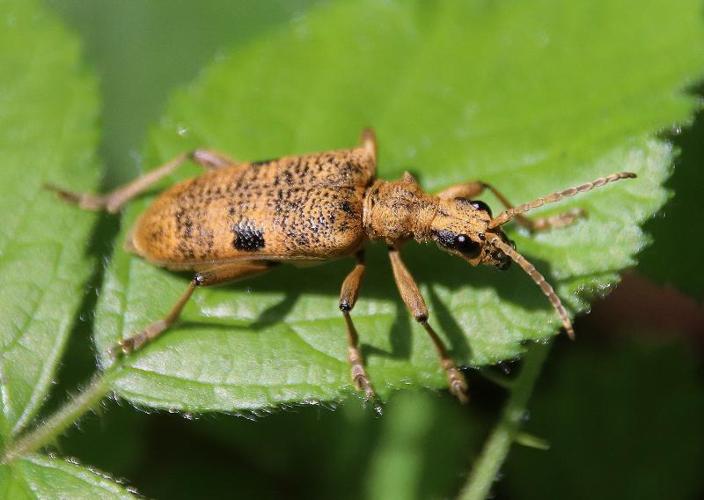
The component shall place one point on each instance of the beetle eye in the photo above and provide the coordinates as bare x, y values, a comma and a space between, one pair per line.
480, 205
467, 246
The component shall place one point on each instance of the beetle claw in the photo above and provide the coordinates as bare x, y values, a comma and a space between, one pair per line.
125, 347
362, 384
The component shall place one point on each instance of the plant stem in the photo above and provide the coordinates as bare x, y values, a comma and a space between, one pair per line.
68, 414
499, 442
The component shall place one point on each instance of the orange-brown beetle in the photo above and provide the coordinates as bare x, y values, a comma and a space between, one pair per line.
241, 219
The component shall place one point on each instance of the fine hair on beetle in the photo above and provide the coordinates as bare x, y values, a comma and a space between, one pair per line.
241, 219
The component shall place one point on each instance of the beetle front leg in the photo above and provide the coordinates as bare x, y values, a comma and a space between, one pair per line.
413, 299
209, 276
473, 189
115, 200
348, 298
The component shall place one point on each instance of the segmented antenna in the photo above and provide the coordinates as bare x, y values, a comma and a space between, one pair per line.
539, 280
509, 214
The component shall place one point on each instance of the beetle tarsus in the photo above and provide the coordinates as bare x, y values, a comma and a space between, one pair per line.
558, 221
359, 374
122, 348
127, 346
135, 342
362, 382
457, 383
83, 200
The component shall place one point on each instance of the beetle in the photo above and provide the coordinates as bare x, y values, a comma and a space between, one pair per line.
238, 220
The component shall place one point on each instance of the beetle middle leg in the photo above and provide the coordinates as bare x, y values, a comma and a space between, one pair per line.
208, 276
413, 299
348, 297
114, 200
472, 189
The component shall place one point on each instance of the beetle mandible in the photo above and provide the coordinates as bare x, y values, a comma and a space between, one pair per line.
238, 220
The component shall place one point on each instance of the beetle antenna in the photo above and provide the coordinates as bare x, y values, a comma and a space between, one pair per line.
509, 214
539, 280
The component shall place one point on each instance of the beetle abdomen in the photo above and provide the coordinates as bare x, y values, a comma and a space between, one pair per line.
306, 207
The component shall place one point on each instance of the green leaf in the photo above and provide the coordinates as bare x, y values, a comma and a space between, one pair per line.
526, 95
38, 477
48, 109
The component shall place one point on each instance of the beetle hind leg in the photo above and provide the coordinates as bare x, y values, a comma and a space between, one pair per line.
115, 200
135, 342
208, 276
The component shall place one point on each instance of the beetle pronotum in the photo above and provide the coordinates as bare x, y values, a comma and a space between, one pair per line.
237, 220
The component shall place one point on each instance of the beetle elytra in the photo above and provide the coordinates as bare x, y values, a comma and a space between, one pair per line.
238, 220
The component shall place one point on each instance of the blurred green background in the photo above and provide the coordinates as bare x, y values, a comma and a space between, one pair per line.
623, 409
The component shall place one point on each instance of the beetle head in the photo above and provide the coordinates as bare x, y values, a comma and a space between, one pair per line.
466, 228
462, 228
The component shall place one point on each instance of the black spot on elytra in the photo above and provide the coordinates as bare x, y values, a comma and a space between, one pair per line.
248, 237
346, 207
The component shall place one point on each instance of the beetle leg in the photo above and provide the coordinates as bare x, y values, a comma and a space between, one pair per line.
464, 190
472, 189
416, 305
368, 141
209, 276
114, 200
348, 298
211, 159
